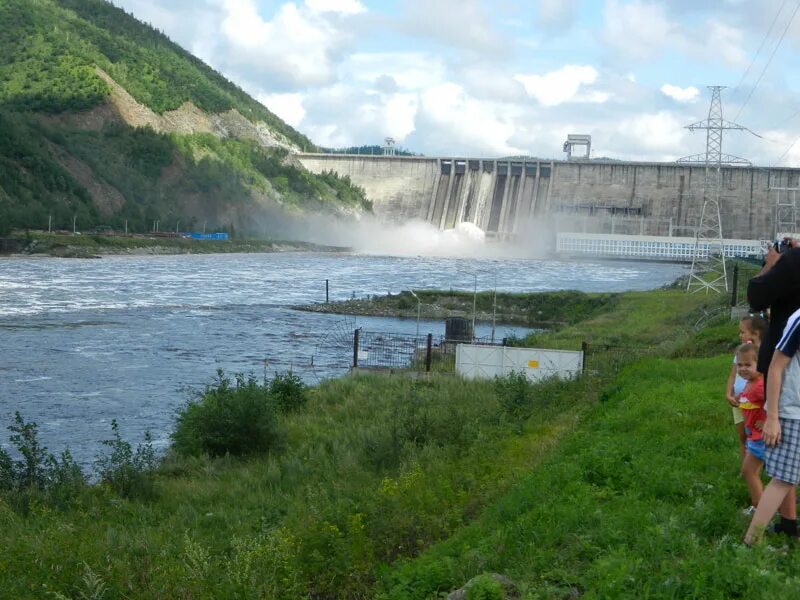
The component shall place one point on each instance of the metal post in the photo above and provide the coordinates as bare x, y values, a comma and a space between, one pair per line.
428, 353
326, 291
74, 224
50, 224
416, 340
735, 286
494, 307
585, 350
126, 226
355, 347
474, 305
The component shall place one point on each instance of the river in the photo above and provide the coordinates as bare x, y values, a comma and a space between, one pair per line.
132, 338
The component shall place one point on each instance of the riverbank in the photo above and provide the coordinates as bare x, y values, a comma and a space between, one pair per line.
383, 487
84, 245
541, 310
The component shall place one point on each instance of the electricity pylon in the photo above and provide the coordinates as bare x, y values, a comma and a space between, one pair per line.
710, 274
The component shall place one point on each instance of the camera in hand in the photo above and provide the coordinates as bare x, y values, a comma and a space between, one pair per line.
782, 245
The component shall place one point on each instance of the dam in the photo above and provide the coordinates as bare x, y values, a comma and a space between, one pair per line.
503, 196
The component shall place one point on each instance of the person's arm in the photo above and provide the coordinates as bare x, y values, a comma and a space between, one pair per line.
772, 427
729, 389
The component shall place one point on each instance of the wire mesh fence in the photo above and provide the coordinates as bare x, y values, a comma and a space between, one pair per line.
741, 274
425, 353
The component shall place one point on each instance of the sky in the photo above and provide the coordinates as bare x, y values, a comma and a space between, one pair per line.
497, 78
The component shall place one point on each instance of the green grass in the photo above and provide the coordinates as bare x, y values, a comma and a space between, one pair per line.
642, 500
543, 309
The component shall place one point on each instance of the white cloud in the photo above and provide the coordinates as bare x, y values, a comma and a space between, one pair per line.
557, 87
687, 94
637, 30
556, 14
470, 125
297, 47
652, 136
727, 42
344, 7
409, 70
288, 107
464, 24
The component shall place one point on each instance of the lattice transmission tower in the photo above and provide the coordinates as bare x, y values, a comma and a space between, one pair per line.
708, 259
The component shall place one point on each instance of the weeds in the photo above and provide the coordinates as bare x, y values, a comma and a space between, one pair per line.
288, 391
37, 477
236, 417
129, 473
515, 394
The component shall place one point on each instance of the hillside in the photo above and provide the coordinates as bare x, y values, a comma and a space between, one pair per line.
103, 118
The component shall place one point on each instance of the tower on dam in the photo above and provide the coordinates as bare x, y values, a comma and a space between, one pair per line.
502, 195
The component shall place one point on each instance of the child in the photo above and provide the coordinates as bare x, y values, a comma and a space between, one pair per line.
751, 403
781, 429
751, 329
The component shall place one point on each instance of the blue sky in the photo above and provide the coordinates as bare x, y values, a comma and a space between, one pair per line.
481, 78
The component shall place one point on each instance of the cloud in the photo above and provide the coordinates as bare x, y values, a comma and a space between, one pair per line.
296, 47
409, 70
556, 14
557, 87
451, 118
463, 24
288, 107
639, 31
344, 7
687, 94
649, 136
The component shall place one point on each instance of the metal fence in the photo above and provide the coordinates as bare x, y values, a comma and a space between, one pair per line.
740, 275
426, 353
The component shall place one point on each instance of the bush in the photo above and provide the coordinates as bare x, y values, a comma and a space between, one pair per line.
236, 418
288, 391
129, 473
37, 476
515, 395
485, 587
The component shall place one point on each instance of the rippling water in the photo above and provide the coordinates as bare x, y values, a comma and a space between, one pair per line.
86, 341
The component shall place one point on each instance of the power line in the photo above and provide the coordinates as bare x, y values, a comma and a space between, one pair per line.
760, 47
792, 145
771, 56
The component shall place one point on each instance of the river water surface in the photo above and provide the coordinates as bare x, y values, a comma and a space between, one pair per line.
130, 338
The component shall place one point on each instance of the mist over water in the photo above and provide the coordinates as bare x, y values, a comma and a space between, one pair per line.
129, 337
367, 234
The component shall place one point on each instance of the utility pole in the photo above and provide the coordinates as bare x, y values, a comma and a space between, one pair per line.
75, 224
708, 259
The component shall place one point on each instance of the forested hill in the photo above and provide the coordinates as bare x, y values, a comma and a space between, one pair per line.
104, 118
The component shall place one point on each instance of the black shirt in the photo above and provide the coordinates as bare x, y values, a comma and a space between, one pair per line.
779, 290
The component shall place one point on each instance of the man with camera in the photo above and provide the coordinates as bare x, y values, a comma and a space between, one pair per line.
777, 288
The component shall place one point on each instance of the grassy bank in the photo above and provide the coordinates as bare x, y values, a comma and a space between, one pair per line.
544, 309
641, 500
69, 245
383, 485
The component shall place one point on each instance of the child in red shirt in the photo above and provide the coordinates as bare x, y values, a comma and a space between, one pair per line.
751, 402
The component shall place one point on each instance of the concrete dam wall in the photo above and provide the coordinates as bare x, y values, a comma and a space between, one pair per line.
502, 195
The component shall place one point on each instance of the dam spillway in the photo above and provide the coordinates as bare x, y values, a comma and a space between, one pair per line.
501, 195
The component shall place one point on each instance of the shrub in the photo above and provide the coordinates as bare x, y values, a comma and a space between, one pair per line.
236, 418
129, 473
288, 391
514, 394
37, 476
485, 587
